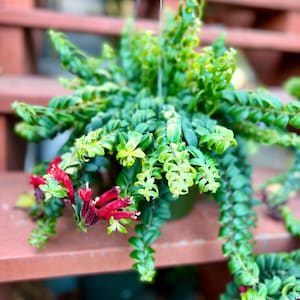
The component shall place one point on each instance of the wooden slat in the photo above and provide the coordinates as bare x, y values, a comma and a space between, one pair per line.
39, 90
15, 57
46, 19
13, 148
18, 3
269, 4
253, 39
244, 38
190, 240
29, 89
17, 44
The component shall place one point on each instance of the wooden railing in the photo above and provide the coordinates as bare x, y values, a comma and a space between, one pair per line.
241, 38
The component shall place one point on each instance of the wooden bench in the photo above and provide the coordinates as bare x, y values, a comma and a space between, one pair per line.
190, 240
73, 253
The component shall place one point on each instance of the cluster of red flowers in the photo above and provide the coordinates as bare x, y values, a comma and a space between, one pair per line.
60, 175
36, 180
107, 205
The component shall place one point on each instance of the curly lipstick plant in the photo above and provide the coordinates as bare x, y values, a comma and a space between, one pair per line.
147, 125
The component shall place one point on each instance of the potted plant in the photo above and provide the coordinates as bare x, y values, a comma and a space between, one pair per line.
147, 125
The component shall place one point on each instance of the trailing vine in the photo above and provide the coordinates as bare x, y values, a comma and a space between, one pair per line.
155, 214
236, 218
279, 279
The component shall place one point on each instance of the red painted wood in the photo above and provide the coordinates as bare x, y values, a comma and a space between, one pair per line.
288, 22
244, 38
6, 291
18, 3
253, 38
46, 19
3, 148
191, 240
270, 4
30, 89
39, 90
16, 55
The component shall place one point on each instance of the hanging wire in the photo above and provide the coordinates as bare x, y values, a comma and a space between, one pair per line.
160, 40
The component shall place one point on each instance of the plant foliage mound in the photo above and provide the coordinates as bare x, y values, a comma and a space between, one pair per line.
146, 125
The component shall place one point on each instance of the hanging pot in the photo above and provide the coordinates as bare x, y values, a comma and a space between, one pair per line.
184, 204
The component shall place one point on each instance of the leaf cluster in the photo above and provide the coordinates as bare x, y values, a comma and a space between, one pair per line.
279, 279
46, 217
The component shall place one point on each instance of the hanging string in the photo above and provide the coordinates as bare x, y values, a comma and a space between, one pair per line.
160, 40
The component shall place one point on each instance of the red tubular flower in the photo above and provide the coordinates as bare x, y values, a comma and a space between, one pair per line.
132, 215
114, 205
108, 196
36, 181
86, 196
61, 176
113, 208
104, 207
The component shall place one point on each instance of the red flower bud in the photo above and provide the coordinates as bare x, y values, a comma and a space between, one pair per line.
85, 194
